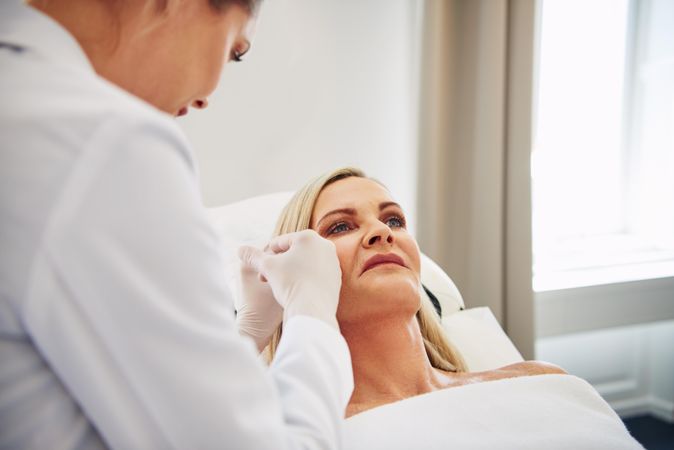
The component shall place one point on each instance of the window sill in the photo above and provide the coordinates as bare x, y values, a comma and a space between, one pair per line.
596, 276
588, 308
601, 260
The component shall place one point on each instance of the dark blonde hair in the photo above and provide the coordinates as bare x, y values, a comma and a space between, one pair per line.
296, 216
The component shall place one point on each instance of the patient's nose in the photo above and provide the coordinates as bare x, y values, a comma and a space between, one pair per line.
378, 235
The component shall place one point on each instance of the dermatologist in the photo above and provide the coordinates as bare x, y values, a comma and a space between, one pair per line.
116, 326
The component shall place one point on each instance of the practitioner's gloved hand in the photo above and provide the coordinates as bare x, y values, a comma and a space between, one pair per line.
303, 271
260, 314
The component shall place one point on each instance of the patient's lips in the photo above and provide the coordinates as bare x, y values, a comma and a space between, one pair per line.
382, 258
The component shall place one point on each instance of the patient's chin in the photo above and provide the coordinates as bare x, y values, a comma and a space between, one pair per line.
376, 295
391, 291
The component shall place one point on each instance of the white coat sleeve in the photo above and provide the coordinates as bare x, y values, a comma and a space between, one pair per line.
129, 306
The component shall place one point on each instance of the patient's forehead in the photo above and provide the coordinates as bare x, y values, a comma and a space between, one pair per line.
351, 192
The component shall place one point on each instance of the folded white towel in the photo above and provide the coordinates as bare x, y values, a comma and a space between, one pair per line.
533, 412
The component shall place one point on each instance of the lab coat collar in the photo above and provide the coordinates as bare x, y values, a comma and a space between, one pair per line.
24, 28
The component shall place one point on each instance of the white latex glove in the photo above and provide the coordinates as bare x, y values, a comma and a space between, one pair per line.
260, 314
303, 271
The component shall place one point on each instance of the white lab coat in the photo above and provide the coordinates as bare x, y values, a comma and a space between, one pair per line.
116, 326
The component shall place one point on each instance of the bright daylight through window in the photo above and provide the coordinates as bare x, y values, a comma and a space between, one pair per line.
603, 156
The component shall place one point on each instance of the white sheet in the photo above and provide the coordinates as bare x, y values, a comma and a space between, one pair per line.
534, 412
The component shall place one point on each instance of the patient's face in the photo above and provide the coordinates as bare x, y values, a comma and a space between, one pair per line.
363, 221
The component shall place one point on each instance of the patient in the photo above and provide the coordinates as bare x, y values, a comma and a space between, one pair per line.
397, 345
411, 387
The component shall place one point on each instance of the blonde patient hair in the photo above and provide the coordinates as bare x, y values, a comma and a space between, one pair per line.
296, 216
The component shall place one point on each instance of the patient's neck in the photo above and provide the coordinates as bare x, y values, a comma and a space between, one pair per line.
389, 361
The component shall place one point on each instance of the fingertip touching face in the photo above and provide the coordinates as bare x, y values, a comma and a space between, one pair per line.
379, 258
176, 60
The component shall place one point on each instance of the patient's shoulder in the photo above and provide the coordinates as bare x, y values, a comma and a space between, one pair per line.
533, 368
520, 369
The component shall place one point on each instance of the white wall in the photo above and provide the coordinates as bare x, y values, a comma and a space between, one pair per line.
327, 83
631, 367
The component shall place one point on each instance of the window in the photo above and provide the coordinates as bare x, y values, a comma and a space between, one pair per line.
603, 157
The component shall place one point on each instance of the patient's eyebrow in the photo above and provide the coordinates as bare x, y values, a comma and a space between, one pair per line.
347, 211
385, 205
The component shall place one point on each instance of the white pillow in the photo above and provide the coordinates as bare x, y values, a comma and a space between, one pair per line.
477, 335
441, 286
474, 332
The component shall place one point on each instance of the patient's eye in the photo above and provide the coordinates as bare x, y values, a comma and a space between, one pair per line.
339, 227
395, 222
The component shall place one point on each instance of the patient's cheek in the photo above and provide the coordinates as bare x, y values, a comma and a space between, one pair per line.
344, 259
